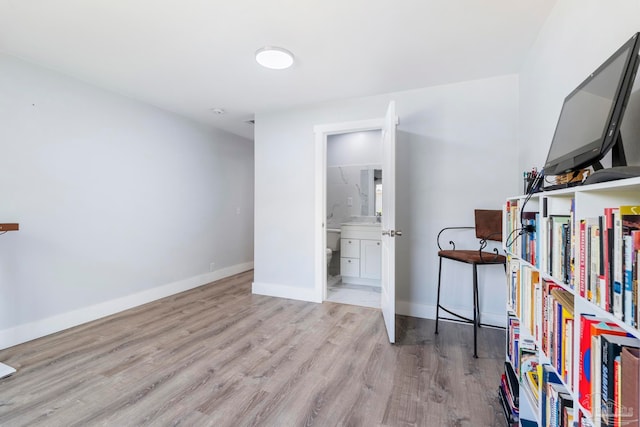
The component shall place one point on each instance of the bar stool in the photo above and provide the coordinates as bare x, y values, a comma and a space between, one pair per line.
488, 226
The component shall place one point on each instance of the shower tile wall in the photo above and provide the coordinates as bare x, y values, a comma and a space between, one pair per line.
344, 193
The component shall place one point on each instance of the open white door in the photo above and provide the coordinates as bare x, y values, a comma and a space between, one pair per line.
388, 297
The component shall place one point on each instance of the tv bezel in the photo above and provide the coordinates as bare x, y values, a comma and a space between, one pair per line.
591, 152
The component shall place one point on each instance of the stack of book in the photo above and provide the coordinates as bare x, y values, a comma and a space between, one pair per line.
508, 393
607, 268
608, 375
556, 401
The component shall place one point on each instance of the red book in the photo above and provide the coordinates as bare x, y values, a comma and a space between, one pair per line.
591, 326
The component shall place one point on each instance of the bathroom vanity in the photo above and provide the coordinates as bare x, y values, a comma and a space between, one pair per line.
360, 253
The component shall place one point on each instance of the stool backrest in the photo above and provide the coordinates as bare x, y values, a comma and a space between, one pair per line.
488, 224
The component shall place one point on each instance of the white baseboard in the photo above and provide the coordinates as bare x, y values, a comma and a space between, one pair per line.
284, 291
39, 328
429, 312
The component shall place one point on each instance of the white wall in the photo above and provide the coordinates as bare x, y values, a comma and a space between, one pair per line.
578, 36
355, 148
114, 198
347, 155
456, 151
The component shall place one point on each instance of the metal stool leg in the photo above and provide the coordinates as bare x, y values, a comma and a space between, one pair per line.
438, 297
476, 300
475, 311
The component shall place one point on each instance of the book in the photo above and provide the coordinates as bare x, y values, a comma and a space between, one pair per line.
617, 267
602, 279
532, 384
563, 349
593, 285
630, 387
549, 376
615, 410
528, 358
557, 244
636, 294
508, 394
547, 315
610, 348
582, 258
510, 416
627, 279
635, 314
565, 407
512, 383
513, 334
598, 329
585, 353
630, 226
608, 257
555, 396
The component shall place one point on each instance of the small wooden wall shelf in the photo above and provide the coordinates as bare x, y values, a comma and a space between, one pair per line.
9, 226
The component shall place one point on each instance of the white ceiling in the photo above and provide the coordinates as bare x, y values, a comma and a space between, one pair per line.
190, 56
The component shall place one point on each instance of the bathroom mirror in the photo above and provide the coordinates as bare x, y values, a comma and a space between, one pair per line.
370, 192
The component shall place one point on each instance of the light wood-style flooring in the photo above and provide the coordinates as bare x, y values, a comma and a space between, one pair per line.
219, 356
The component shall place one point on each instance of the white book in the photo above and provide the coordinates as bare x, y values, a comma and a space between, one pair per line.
618, 308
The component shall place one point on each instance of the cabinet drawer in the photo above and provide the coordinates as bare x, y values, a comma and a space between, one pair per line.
350, 248
350, 267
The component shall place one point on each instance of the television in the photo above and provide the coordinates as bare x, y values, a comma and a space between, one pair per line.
589, 123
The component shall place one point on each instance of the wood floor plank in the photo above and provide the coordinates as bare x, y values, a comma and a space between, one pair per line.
219, 356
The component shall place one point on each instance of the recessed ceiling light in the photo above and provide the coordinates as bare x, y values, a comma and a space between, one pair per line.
218, 111
275, 58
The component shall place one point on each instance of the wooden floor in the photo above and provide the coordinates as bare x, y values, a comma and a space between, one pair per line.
220, 356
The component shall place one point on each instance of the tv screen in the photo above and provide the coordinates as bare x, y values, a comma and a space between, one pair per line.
591, 114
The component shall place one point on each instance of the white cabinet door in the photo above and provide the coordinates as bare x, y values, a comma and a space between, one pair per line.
350, 248
370, 259
350, 267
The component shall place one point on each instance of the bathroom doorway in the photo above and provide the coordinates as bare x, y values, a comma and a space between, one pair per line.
354, 188
388, 232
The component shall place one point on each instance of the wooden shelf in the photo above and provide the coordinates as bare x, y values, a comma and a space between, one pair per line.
9, 226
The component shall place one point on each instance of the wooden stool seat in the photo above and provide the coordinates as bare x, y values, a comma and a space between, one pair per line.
473, 257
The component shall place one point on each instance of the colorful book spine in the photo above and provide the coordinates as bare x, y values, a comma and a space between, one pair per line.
630, 226
582, 259
589, 325
610, 348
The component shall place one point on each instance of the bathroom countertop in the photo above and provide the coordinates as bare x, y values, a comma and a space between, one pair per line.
361, 230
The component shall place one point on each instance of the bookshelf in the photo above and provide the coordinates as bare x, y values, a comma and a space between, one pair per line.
573, 275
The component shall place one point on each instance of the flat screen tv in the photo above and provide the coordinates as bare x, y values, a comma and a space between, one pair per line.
590, 118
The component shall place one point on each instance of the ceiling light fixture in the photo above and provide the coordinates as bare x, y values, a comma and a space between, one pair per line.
218, 111
275, 58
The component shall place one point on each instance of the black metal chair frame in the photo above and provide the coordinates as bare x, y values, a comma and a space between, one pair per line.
492, 258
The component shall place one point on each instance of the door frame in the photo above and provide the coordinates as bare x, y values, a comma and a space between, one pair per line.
322, 132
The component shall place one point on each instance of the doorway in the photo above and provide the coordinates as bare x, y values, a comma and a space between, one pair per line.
387, 125
353, 217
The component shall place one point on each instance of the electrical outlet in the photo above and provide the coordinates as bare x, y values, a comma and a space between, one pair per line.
212, 267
